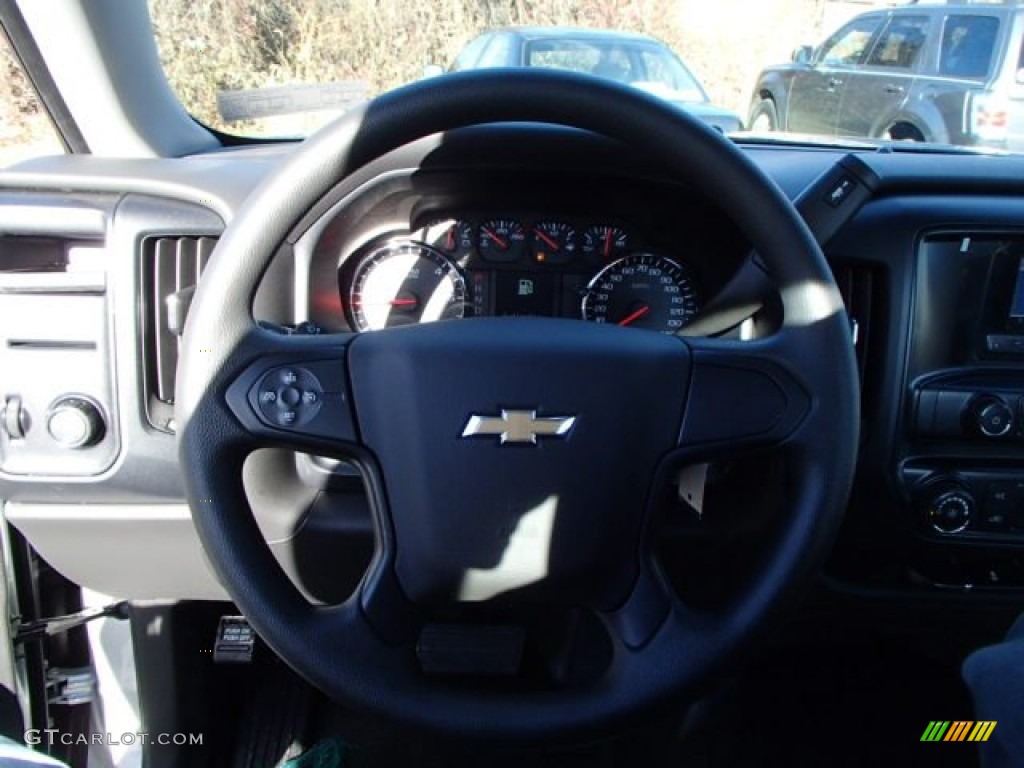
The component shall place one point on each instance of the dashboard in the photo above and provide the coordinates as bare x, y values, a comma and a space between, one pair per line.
100, 256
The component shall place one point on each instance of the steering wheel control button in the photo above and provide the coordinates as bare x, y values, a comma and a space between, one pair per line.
293, 397
289, 397
75, 422
951, 510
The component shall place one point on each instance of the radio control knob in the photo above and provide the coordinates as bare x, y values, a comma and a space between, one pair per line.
949, 509
75, 422
992, 416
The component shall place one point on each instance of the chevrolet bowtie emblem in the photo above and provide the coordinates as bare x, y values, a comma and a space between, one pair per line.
518, 426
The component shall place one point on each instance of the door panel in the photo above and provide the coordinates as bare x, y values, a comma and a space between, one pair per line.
816, 93
877, 92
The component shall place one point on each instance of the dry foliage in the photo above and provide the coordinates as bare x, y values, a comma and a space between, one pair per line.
218, 44
212, 45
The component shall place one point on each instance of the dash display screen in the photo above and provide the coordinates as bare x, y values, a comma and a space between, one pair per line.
525, 294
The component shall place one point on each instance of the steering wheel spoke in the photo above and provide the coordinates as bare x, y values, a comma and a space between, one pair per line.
649, 605
383, 604
743, 395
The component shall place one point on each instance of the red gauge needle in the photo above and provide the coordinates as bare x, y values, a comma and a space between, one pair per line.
549, 241
635, 315
451, 239
498, 241
607, 243
389, 302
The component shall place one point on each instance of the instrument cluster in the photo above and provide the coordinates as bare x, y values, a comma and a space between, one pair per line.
506, 265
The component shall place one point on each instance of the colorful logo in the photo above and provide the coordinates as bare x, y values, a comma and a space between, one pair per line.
958, 730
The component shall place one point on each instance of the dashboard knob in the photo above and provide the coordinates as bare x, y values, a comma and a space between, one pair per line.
949, 509
75, 422
992, 416
15, 418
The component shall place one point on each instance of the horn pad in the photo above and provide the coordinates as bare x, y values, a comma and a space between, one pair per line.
517, 454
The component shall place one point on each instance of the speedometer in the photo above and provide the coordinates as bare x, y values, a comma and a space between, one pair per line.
404, 283
642, 290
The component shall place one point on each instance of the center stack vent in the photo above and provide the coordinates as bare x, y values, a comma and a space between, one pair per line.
859, 286
172, 266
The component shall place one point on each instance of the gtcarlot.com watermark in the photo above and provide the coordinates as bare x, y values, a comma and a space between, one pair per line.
51, 737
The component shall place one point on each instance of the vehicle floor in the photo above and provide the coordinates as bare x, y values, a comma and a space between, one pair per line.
841, 708
857, 704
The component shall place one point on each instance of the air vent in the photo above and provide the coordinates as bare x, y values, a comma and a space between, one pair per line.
858, 285
171, 270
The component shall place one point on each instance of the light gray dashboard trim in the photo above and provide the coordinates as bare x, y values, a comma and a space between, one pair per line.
77, 221
146, 471
220, 181
129, 551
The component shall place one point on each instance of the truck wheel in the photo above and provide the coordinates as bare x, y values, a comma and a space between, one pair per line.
764, 117
902, 132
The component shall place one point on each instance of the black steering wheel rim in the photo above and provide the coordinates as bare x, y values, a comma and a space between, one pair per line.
335, 648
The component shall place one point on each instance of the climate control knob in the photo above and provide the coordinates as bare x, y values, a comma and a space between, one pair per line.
950, 509
992, 416
75, 422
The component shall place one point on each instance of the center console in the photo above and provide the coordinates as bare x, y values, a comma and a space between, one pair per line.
963, 471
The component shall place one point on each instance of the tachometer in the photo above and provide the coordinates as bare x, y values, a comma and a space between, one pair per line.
404, 283
642, 291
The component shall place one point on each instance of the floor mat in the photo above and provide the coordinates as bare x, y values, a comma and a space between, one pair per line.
845, 709
325, 754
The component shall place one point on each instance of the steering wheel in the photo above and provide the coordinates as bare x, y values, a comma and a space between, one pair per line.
492, 440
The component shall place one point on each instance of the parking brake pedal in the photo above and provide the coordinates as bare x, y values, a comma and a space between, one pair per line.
236, 641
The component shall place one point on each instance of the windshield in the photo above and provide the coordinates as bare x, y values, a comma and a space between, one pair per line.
648, 66
821, 70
